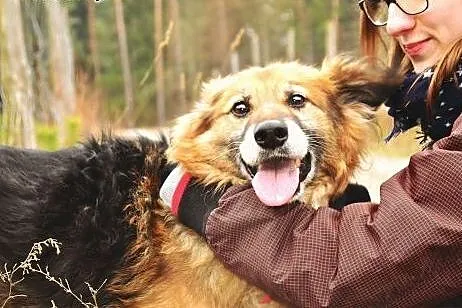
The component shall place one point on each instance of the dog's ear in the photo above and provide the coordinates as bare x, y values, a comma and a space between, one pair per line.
365, 81
201, 118
194, 123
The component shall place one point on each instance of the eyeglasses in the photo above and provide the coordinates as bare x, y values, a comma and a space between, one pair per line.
377, 10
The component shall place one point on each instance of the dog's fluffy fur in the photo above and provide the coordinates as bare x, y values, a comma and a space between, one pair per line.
101, 199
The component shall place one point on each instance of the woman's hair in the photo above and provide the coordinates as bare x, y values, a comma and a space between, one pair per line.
373, 44
445, 69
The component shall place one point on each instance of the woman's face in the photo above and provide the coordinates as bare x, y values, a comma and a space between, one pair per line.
425, 37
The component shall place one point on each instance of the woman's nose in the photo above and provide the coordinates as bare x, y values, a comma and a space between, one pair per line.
398, 21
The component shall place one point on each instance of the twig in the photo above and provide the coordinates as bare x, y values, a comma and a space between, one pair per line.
30, 265
233, 46
237, 40
160, 48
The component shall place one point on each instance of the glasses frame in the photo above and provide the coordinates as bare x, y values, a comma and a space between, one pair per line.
362, 6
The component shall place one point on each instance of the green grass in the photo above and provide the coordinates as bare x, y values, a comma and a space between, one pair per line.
47, 135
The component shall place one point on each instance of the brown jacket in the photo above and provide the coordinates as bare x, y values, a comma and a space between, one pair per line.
404, 252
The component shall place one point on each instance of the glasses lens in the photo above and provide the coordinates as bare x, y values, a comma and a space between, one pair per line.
377, 11
412, 6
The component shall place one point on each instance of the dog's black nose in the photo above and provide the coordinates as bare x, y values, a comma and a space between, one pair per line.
271, 134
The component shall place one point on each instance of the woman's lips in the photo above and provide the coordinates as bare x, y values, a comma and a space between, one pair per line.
415, 49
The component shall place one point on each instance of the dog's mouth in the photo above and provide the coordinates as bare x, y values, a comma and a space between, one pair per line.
277, 180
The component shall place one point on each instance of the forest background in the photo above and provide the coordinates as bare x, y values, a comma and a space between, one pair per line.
71, 68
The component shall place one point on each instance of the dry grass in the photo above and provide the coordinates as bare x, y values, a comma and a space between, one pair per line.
386, 159
89, 105
402, 146
19, 272
376, 169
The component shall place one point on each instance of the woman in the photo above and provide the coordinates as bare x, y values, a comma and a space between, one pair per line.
405, 251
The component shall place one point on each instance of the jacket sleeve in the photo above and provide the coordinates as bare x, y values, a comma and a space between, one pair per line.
405, 251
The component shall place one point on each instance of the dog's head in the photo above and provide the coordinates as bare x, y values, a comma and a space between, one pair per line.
295, 131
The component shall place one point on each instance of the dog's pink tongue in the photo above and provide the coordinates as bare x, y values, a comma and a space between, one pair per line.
275, 183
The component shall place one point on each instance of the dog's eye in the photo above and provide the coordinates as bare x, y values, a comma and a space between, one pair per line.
240, 109
297, 100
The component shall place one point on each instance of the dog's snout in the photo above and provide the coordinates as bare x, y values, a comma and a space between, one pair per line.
271, 134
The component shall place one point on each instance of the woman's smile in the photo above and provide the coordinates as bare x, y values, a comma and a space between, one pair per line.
425, 37
417, 48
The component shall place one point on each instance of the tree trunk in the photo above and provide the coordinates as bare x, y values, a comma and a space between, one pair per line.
266, 45
160, 84
332, 30
234, 62
19, 105
234, 54
179, 78
93, 41
61, 65
123, 49
304, 31
254, 45
223, 33
290, 52
39, 62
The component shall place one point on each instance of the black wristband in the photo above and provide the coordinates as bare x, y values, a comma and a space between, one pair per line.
196, 204
352, 194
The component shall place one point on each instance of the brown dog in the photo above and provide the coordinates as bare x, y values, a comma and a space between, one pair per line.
307, 127
295, 131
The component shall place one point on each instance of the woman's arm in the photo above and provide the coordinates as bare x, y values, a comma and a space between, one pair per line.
404, 251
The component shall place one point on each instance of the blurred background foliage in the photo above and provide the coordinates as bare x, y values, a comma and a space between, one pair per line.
70, 68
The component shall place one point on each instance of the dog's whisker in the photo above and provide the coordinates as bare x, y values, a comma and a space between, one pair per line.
225, 154
220, 156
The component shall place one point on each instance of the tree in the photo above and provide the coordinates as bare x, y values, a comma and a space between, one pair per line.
61, 66
159, 63
17, 77
177, 53
38, 45
304, 31
290, 38
198, 47
223, 31
254, 45
93, 41
332, 30
123, 49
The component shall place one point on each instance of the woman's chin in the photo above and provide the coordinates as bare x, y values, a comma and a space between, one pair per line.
425, 59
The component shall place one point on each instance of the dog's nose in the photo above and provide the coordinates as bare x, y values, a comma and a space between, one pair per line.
271, 134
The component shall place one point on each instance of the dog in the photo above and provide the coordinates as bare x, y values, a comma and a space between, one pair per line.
295, 132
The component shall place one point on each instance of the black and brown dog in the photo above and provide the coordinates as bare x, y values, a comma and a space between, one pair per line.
100, 199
